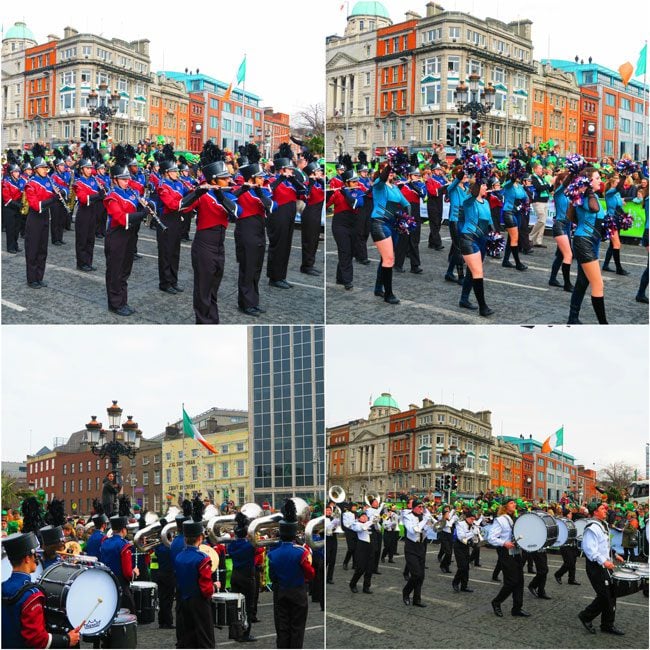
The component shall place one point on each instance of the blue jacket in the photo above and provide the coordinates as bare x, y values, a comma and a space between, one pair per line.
11, 626
457, 196
164, 557
284, 565
561, 204
589, 223
511, 193
382, 194
94, 542
186, 566
242, 553
178, 544
613, 200
478, 217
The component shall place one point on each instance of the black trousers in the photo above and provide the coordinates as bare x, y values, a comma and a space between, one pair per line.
569, 555
444, 555
434, 210
36, 229
364, 563
605, 601
415, 556
362, 225
461, 553
197, 627
331, 547
310, 233
390, 543
127, 595
497, 568
208, 258
100, 225
345, 234
524, 238
11, 224
169, 250
351, 543
513, 578
541, 567
290, 608
375, 540
409, 245
166, 581
84, 234
243, 581
475, 555
58, 219
455, 258
118, 249
250, 246
187, 224
279, 227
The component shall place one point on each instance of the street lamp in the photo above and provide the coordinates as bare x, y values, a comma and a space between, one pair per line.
452, 461
115, 442
103, 104
466, 97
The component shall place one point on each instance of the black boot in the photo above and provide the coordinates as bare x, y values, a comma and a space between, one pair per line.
617, 260
379, 289
555, 267
566, 274
599, 307
643, 286
387, 276
608, 257
460, 269
464, 295
479, 292
506, 256
520, 266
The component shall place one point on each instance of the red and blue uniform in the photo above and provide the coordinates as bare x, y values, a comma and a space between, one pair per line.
41, 199
310, 223
280, 227
94, 542
89, 196
117, 554
12, 195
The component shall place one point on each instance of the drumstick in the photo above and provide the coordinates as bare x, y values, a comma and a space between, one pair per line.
99, 601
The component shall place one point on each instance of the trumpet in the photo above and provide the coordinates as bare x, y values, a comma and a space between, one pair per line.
270, 525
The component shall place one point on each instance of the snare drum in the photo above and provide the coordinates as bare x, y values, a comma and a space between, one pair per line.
123, 633
145, 595
535, 531
641, 569
229, 609
71, 590
625, 582
566, 531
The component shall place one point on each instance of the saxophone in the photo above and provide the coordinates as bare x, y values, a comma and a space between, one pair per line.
24, 206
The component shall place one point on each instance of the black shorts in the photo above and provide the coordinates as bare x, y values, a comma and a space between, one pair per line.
585, 249
561, 228
510, 220
469, 244
380, 230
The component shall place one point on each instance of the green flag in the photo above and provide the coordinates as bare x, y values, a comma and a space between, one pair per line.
241, 72
559, 437
640, 64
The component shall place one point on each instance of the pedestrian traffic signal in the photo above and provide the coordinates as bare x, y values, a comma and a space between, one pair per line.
451, 136
84, 134
96, 126
438, 486
454, 483
447, 482
465, 132
104, 131
476, 133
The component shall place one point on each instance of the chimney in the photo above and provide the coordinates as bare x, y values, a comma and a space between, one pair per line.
53, 37
413, 407
412, 15
69, 32
433, 9
426, 402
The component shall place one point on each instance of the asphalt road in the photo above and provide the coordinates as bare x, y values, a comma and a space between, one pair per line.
150, 636
517, 297
466, 620
75, 297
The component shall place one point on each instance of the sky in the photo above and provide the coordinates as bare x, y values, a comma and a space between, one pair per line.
533, 380
54, 378
609, 34
284, 46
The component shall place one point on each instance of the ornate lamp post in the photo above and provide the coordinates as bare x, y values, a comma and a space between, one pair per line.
466, 98
115, 442
103, 104
452, 461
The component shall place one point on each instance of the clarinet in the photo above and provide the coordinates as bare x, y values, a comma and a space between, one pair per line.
57, 191
152, 214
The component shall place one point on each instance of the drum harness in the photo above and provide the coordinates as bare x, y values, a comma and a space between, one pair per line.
10, 601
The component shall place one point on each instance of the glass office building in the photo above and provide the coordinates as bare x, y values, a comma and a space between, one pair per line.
287, 412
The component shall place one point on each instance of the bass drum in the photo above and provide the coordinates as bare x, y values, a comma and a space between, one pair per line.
535, 531
580, 525
566, 531
72, 590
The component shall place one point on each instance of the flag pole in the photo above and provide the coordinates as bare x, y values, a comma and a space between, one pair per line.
184, 459
645, 102
243, 107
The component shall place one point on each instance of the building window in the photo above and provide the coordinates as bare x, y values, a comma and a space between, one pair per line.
625, 104
195, 453
181, 475
67, 100
609, 122
168, 455
210, 468
156, 477
224, 449
180, 454
540, 476
156, 459
240, 467
626, 125
609, 147
454, 32
224, 470
431, 66
168, 476
610, 99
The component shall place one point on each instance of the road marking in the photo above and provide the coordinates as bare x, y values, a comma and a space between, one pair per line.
13, 305
370, 628
483, 582
79, 274
620, 602
516, 284
268, 636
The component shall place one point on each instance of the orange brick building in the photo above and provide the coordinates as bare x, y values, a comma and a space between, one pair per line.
40, 90
589, 106
338, 440
506, 468
169, 111
401, 435
276, 131
197, 112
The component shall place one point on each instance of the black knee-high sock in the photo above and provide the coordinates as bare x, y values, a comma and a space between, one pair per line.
566, 274
557, 262
617, 258
387, 277
479, 292
506, 252
515, 253
608, 254
378, 281
643, 285
599, 307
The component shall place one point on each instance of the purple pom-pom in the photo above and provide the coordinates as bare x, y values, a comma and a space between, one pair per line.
405, 224
398, 160
576, 190
479, 166
625, 221
495, 244
626, 167
516, 169
575, 163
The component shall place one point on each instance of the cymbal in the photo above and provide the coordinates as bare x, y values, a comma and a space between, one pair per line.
73, 548
212, 554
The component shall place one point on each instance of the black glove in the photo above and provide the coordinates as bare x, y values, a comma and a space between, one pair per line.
48, 203
298, 185
228, 205
242, 189
277, 182
134, 219
189, 198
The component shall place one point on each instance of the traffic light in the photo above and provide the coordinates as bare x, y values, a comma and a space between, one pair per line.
451, 136
465, 132
454, 483
84, 134
437, 484
447, 482
105, 131
96, 126
476, 133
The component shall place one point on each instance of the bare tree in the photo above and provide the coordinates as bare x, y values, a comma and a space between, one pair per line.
311, 120
617, 475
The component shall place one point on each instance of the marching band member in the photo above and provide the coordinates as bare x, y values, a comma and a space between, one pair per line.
337, 182
464, 540
596, 547
445, 536
512, 564
348, 518
408, 245
363, 554
436, 183
242, 579
289, 568
93, 545
569, 554
61, 177
331, 543
415, 553
104, 181
311, 217
12, 195
23, 613
138, 183
374, 516
391, 535
195, 628
537, 586
166, 580
191, 184
117, 554
90, 198
53, 541
363, 222
177, 547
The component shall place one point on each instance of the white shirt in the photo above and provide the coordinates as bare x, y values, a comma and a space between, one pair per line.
402, 514
361, 530
414, 527
453, 518
391, 521
501, 531
348, 519
595, 543
372, 513
464, 532
331, 525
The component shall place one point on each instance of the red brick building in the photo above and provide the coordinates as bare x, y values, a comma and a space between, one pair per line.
40, 90
589, 106
197, 112
338, 440
276, 131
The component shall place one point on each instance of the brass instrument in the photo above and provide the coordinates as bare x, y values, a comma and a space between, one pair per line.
270, 525
212, 554
337, 494
315, 526
148, 537
72, 548
24, 205
221, 529
168, 533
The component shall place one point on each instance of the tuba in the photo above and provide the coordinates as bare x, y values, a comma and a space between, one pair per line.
315, 526
337, 494
270, 525
148, 537
221, 529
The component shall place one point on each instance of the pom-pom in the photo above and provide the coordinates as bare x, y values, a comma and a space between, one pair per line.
55, 513
398, 160
289, 511
405, 224
625, 221
576, 190
124, 508
495, 244
197, 508
575, 163
626, 167
516, 169
479, 166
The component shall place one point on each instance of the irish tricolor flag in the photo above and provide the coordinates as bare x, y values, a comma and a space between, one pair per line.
192, 432
554, 441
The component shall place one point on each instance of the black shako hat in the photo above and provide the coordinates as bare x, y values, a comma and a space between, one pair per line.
51, 535
19, 545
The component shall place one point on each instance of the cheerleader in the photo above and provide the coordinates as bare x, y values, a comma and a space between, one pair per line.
561, 233
643, 285
387, 201
475, 227
589, 215
347, 202
514, 199
408, 245
457, 194
614, 204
